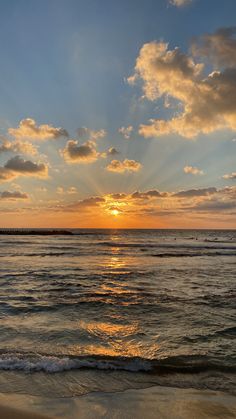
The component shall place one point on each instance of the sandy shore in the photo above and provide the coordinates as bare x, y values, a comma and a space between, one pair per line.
150, 403
11, 413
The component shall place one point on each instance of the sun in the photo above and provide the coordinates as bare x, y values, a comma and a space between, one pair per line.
115, 212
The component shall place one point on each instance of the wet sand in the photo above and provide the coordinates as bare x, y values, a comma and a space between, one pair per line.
154, 402
7, 412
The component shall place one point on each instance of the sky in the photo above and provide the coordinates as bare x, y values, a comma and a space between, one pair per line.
118, 114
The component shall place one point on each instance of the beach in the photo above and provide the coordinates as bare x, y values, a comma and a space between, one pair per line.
154, 402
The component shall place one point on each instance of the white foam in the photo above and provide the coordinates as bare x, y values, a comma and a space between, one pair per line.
52, 364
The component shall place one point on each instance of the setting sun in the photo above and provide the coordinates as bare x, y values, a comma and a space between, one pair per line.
115, 212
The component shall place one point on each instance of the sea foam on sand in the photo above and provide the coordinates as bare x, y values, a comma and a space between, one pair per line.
150, 403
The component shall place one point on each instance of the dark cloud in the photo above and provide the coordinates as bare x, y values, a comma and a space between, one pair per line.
191, 193
219, 47
215, 205
84, 204
84, 153
112, 152
13, 196
26, 167
149, 194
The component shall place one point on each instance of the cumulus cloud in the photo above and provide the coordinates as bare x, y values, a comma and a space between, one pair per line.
124, 166
208, 102
18, 147
193, 170
18, 166
76, 153
28, 129
85, 153
126, 131
230, 176
13, 196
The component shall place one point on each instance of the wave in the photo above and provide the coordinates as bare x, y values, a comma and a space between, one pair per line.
193, 254
166, 245
29, 362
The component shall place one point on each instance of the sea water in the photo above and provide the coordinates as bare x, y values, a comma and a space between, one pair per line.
108, 310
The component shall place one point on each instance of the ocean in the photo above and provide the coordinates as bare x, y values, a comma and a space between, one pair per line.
111, 310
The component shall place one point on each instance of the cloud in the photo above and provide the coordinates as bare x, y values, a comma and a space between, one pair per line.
124, 166
42, 189
89, 134
230, 176
192, 193
72, 190
118, 196
183, 208
29, 130
60, 190
84, 153
208, 102
6, 175
126, 131
219, 47
112, 151
193, 170
19, 166
180, 3
149, 194
18, 147
85, 204
215, 205
13, 196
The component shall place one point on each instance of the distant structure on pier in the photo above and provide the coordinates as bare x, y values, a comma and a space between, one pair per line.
34, 232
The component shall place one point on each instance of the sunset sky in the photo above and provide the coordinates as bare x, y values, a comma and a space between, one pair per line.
118, 114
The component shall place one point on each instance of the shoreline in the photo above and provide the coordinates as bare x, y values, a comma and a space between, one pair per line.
152, 402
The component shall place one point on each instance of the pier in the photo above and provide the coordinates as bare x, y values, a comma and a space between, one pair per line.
34, 232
